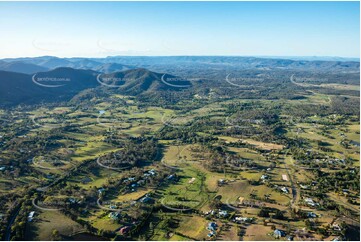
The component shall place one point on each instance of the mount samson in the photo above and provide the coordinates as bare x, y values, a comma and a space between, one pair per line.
62, 84
142, 81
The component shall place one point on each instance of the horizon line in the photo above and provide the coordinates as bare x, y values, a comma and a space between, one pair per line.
255, 56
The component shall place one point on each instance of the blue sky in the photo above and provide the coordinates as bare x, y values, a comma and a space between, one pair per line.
96, 29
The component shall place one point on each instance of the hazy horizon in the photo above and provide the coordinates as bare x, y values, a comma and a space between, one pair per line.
246, 56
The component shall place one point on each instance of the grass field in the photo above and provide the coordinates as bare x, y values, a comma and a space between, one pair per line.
105, 223
257, 232
188, 192
132, 196
193, 226
232, 191
47, 221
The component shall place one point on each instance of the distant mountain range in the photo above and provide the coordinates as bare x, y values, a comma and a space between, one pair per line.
112, 67
37, 64
21, 67
313, 58
156, 63
233, 61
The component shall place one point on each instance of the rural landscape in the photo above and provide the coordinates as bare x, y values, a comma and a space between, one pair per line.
180, 121
188, 148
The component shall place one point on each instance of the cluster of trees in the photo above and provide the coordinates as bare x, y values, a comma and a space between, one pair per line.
271, 212
134, 152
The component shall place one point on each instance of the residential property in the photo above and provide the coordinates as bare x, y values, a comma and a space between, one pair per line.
311, 215
124, 230
336, 227
101, 190
304, 186
114, 215
264, 177
222, 213
284, 189
243, 220
31, 216
112, 206
211, 233
310, 202
279, 233
212, 226
152, 172
171, 177
211, 212
145, 199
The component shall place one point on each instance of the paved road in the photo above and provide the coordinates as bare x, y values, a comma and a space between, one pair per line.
309, 85
8, 228
295, 192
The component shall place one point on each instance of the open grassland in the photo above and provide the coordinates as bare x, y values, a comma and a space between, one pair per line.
41, 228
175, 155
105, 223
242, 189
188, 192
264, 145
193, 226
311, 132
132, 196
229, 233
258, 144
257, 232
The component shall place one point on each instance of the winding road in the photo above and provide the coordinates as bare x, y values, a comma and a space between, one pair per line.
8, 228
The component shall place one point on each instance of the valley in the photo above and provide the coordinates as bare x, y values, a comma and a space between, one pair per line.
185, 148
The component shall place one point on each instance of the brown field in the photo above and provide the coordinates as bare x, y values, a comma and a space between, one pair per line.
193, 226
257, 232
263, 145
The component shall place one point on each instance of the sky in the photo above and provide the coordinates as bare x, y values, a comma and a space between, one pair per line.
99, 29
